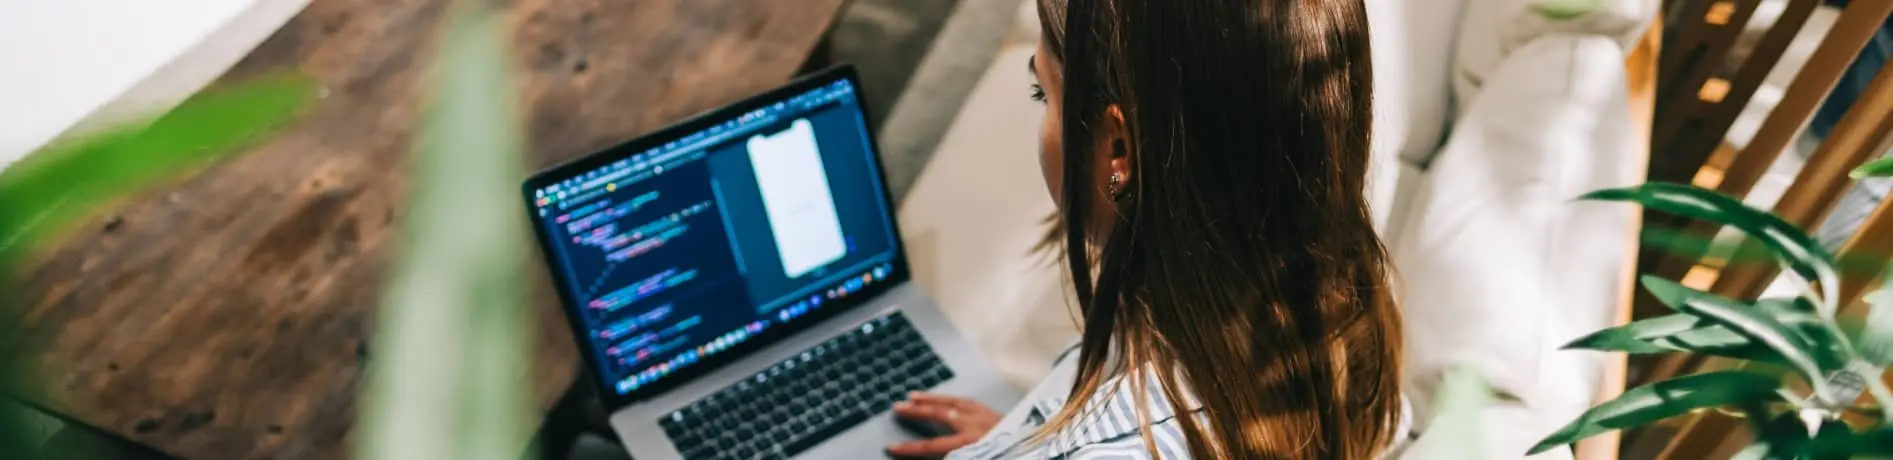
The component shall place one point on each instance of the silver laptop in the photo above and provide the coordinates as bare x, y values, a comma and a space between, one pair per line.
738, 288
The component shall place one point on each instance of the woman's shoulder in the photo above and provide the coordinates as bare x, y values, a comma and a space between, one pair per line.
1122, 418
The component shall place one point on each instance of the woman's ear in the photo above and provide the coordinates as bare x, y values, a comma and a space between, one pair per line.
1117, 145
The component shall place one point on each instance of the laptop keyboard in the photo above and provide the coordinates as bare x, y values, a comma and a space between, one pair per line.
804, 400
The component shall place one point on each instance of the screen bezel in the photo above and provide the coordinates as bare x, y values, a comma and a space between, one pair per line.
608, 395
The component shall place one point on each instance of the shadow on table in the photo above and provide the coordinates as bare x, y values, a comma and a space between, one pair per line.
577, 429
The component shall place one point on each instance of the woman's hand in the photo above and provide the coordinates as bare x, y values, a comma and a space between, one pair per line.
969, 420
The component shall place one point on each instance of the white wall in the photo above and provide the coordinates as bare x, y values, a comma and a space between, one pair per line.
83, 63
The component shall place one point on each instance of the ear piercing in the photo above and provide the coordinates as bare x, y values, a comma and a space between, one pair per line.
1117, 185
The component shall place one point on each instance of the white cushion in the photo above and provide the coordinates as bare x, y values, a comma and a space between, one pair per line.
1412, 50
1498, 266
1493, 29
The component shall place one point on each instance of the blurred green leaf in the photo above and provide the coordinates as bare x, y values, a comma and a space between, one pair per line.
44, 192
449, 378
1874, 443
1801, 253
1458, 413
1733, 253
1877, 168
1562, 10
1810, 359
1665, 399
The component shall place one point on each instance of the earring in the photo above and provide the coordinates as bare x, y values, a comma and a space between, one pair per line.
1117, 185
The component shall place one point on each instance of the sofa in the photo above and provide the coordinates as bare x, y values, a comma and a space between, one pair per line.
1491, 121
1490, 118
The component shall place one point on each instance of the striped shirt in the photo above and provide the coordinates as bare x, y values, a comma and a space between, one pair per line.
1108, 429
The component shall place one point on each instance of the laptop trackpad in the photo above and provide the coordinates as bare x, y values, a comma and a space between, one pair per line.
867, 440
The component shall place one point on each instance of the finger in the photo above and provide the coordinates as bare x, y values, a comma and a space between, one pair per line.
926, 412
964, 404
922, 397
930, 447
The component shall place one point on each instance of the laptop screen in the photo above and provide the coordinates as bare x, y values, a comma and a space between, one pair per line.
692, 246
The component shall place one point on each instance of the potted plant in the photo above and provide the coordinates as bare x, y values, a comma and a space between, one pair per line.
1834, 363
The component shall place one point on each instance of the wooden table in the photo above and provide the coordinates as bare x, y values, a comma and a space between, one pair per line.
225, 317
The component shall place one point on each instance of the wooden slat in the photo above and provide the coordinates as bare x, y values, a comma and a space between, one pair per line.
226, 316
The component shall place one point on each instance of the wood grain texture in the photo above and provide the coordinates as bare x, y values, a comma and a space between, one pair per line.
225, 316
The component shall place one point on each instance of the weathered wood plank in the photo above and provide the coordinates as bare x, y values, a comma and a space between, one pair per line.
225, 317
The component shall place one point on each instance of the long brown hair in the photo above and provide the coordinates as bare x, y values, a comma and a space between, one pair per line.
1242, 268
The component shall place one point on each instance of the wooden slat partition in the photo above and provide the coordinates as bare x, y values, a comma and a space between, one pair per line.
1803, 96
1857, 24
1810, 87
1863, 133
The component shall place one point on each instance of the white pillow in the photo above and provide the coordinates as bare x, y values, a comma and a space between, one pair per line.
1498, 266
1492, 29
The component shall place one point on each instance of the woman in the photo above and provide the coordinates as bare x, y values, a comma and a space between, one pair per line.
1208, 158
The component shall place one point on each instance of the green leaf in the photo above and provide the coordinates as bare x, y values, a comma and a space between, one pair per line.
1808, 359
1665, 399
449, 380
44, 192
1635, 337
1709, 339
1877, 168
1800, 253
1716, 340
1682, 332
